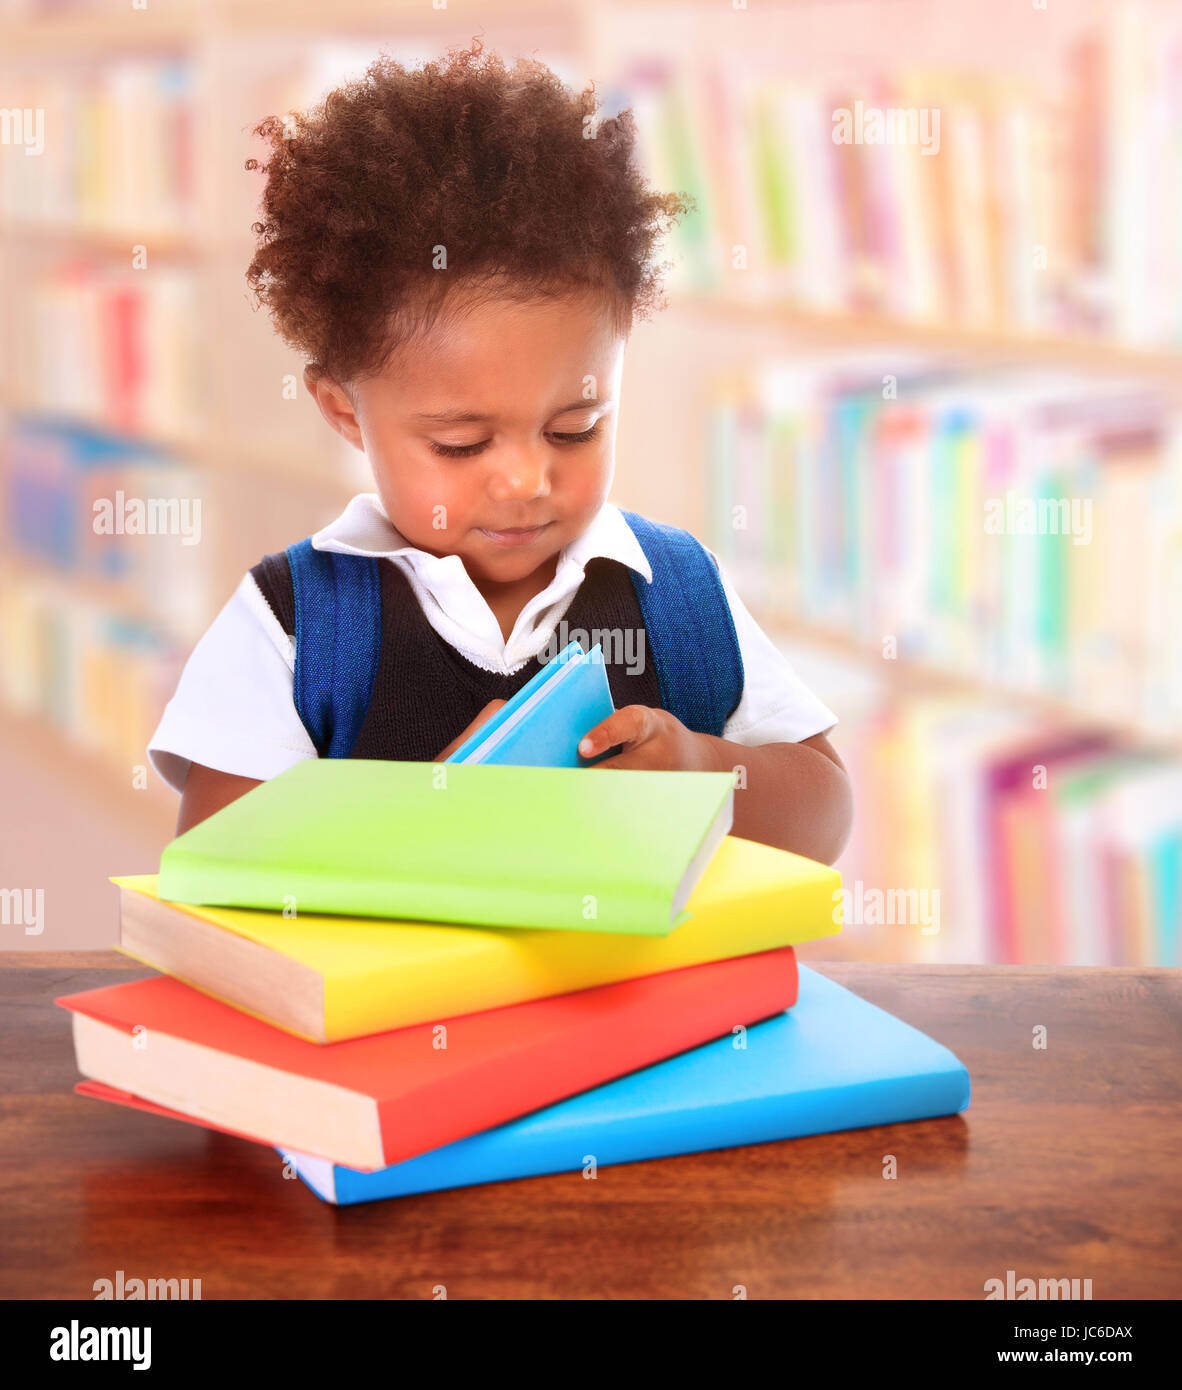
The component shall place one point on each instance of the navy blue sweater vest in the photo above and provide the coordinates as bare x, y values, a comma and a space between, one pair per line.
425, 692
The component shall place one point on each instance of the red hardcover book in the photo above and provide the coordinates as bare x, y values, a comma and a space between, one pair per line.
374, 1101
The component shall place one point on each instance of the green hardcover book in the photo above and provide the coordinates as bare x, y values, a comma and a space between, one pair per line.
561, 848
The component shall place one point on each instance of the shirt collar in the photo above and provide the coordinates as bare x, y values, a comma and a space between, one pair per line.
363, 528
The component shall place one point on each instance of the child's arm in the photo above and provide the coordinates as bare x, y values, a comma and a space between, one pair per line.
794, 796
206, 790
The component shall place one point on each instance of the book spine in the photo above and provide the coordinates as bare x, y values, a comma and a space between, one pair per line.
601, 904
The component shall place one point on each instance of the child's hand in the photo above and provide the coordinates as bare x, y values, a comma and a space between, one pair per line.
651, 738
485, 714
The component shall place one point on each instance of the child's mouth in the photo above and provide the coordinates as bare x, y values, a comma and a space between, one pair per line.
515, 535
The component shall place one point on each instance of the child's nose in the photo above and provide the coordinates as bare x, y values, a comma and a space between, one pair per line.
520, 475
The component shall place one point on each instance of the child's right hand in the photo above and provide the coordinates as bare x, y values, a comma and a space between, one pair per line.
485, 714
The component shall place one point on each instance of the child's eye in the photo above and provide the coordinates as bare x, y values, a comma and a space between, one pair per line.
584, 438
458, 451
467, 451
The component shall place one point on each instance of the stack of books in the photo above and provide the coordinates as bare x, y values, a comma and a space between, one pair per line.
413, 976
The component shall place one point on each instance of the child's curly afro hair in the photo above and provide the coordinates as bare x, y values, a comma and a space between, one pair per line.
505, 169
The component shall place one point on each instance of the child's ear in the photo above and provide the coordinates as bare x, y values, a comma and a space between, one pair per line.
335, 405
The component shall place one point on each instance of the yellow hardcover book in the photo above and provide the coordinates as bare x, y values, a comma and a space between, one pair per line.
333, 978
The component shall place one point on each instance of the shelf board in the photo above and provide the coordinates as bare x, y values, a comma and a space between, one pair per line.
184, 25
83, 33
389, 16
106, 242
977, 345
909, 677
208, 452
111, 595
184, 445
280, 466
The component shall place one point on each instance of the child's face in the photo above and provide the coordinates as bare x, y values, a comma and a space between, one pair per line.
492, 437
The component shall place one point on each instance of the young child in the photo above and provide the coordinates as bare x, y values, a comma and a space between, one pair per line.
459, 253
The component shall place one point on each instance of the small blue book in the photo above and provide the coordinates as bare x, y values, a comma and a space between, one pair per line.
542, 724
831, 1062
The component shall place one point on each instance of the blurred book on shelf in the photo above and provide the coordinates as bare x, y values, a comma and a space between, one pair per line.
1018, 528
116, 153
967, 194
987, 835
98, 679
110, 346
105, 563
90, 506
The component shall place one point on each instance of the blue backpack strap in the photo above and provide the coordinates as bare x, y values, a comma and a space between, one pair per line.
691, 632
338, 635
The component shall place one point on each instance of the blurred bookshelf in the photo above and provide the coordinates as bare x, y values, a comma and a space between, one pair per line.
1041, 245
969, 346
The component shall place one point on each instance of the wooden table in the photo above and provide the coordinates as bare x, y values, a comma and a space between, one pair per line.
1065, 1165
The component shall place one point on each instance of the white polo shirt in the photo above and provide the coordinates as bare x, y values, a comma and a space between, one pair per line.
233, 708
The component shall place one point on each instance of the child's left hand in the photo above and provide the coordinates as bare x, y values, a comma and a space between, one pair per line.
651, 738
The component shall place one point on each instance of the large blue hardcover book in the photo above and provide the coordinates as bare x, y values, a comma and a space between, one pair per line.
542, 724
831, 1062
